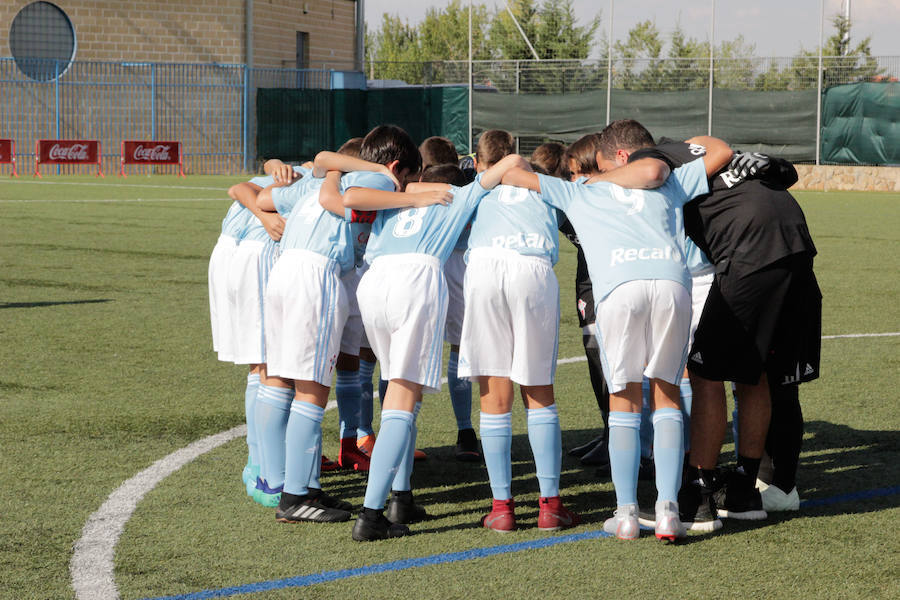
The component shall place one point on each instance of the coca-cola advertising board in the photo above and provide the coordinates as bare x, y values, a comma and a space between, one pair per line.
8, 154
67, 152
151, 152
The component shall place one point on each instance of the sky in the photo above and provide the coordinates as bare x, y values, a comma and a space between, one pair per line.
775, 27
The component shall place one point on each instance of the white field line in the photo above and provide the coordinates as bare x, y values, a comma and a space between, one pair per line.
222, 198
92, 564
129, 185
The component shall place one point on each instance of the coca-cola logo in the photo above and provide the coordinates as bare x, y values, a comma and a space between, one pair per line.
160, 152
73, 152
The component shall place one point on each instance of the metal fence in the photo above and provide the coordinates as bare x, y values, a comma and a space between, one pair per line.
211, 109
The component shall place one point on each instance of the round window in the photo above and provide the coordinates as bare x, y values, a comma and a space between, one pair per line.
42, 41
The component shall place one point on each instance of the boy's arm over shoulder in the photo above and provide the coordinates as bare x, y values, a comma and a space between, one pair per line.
493, 176
330, 194
332, 161
645, 173
718, 153
361, 198
248, 195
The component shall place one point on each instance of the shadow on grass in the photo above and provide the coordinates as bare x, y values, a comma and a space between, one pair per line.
59, 303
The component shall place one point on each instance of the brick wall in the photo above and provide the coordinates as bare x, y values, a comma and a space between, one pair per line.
830, 178
195, 31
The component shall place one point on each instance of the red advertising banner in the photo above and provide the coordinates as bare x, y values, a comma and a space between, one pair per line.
8, 154
151, 152
67, 152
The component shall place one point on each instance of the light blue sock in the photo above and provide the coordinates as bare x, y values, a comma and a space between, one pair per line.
646, 421
273, 406
625, 454
348, 394
393, 437
668, 452
301, 445
403, 478
546, 445
366, 370
250, 415
496, 441
460, 393
317, 466
687, 398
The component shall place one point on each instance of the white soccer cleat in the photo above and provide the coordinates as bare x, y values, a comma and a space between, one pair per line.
668, 524
775, 500
624, 523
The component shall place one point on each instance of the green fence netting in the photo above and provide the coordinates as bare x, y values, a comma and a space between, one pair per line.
296, 124
861, 124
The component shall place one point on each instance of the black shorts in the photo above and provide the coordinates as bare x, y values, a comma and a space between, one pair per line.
768, 321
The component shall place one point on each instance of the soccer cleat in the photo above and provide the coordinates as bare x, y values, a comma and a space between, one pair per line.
350, 457
502, 517
553, 516
598, 456
309, 509
403, 509
419, 455
266, 496
624, 523
668, 524
366, 443
372, 525
328, 500
739, 498
328, 464
467, 449
775, 500
697, 507
250, 478
579, 451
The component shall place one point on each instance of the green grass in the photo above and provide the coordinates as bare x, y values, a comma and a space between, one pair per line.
107, 367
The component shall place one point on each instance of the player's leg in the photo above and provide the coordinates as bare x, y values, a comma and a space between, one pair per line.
783, 443
496, 441
347, 384
251, 471
364, 432
460, 389
273, 405
596, 451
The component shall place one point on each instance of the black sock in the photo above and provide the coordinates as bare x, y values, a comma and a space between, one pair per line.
290, 499
785, 437
749, 467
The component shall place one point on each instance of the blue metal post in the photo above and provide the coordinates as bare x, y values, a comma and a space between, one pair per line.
58, 116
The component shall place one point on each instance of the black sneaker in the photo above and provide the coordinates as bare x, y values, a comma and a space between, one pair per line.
403, 509
740, 499
372, 525
467, 449
329, 501
579, 451
308, 509
598, 456
697, 508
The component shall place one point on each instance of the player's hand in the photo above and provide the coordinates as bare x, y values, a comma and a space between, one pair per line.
284, 175
274, 224
748, 164
420, 199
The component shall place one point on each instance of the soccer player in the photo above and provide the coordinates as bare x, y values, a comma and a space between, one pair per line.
441, 151
760, 328
405, 323
634, 246
510, 334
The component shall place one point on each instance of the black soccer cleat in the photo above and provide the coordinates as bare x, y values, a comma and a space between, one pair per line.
403, 509
372, 525
739, 498
579, 451
697, 508
467, 449
308, 509
328, 500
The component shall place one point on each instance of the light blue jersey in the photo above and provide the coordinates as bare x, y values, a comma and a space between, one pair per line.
516, 219
310, 227
361, 221
630, 234
235, 222
431, 230
254, 230
697, 263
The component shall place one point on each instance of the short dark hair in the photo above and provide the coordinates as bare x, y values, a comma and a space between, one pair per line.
584, 152
493, 145
388, 143
550, 156
624, 134
351, 147
444, 174
437, 150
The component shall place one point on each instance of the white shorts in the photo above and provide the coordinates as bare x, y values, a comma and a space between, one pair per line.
219, 311
245, 303
643, 328
511, 328
699, 291
352, 335
306, 308
403, 302
454, 272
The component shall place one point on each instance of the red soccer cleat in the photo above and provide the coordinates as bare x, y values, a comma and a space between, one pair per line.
553, 516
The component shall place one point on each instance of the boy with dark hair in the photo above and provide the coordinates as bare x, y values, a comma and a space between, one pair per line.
437, 150
551, 157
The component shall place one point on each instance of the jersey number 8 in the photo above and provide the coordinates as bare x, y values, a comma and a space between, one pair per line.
409, 222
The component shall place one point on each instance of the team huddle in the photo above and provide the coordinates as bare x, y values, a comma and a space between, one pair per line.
694, 268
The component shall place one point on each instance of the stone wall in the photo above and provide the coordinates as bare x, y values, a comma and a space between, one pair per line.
828, 178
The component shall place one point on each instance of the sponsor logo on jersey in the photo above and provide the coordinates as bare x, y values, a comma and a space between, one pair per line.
520, 240
624, 255
362, 216
730, 179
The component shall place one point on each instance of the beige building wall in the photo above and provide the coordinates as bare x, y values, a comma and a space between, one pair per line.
210, 31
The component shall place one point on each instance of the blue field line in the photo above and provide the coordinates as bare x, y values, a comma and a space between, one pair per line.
452, 557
